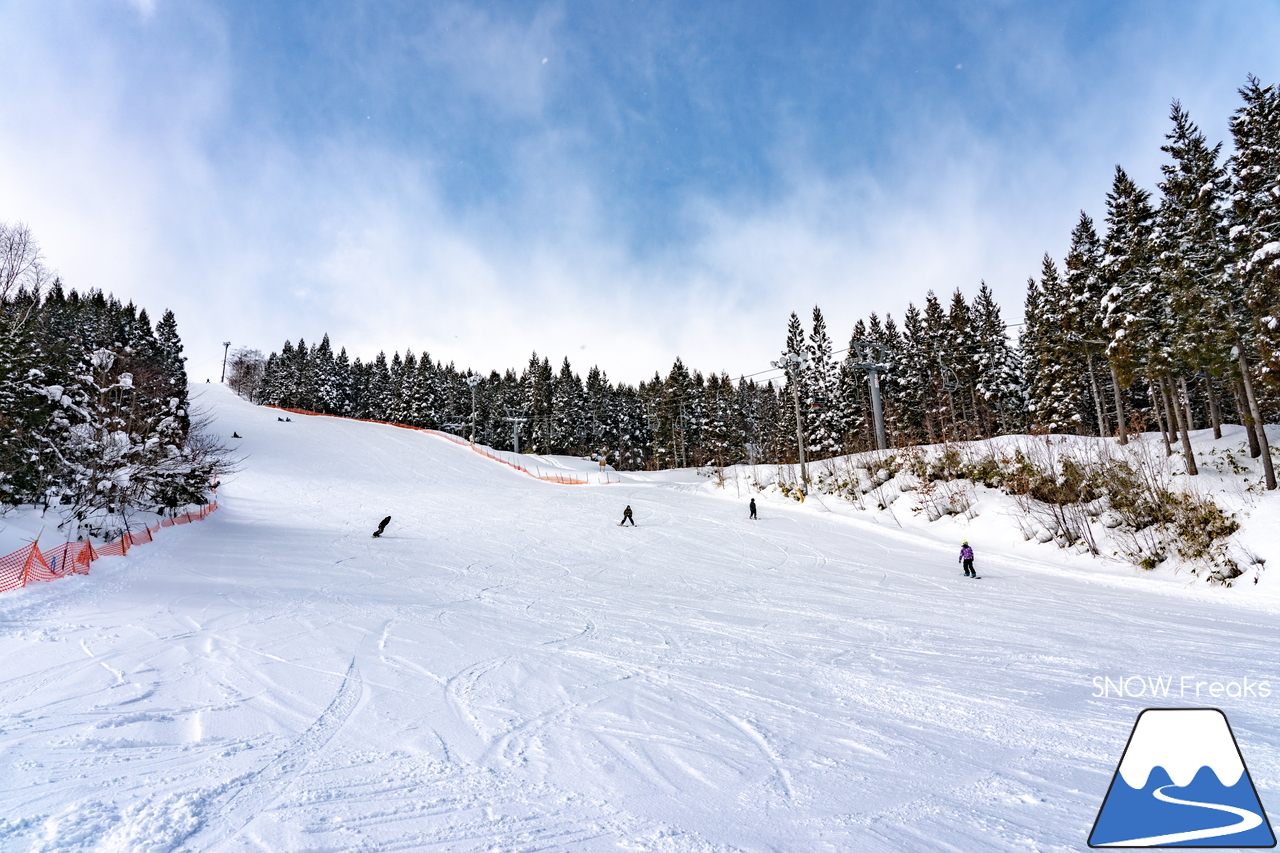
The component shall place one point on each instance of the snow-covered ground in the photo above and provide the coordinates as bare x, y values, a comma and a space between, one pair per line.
507, 669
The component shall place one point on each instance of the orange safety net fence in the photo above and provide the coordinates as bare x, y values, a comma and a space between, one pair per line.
563, 479
29, 564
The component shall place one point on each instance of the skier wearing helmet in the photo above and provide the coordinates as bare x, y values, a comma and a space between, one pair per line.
966, 558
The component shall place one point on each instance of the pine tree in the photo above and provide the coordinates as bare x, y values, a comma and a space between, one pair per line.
377, 391
996, 378
173, 362
325, 393
539, 386
1255, 213
1192, 243
1054, 389
1133, 306
342, 379
424, 394
826, 424
568, 426
796, 387
943, 383
672, 411
1253, 274
915, 375
853, 397
1084, 292
957, 349
603, 421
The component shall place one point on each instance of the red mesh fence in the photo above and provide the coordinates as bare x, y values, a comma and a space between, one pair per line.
563, 479
71, 558
13, 569
29, 564
23, 566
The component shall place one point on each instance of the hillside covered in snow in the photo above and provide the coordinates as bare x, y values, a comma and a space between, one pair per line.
508, 669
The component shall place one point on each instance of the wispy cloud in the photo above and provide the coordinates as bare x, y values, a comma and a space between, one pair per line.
663, 185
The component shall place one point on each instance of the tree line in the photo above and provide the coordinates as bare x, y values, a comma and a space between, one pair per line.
1168, 320
94, 414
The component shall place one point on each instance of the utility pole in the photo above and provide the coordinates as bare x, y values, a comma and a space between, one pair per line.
793, 364
515, 430
226, 345
874, 362
473, 381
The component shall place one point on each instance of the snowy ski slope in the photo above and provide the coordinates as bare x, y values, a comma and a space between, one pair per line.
507, 669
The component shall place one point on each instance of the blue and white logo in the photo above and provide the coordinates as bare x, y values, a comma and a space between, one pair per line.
1182, 783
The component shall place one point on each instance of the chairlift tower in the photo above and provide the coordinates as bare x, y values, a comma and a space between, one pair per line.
873, 358
473, 381
793, 364
516, 423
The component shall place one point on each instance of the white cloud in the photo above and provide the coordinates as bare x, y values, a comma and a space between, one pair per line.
145, 8
124, 174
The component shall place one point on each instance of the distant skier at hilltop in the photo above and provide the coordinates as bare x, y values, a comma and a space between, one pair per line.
382, 525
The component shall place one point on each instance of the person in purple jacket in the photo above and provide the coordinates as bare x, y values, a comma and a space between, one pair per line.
966, 558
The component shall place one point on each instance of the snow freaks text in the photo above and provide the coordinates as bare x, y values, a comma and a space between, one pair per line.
1179, 687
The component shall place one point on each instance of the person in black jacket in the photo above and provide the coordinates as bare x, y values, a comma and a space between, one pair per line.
382, 525
753, 507
627, 515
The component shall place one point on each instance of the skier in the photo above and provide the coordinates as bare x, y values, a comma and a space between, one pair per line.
966, 557
381, 527
753, 507
235, 434
627, 516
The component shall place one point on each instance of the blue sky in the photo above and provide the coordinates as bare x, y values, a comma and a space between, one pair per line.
619, 182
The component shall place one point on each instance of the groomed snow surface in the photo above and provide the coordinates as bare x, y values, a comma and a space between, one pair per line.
509, 670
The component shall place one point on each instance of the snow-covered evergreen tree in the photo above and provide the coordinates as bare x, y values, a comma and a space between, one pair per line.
1255, 215
795, 385
568, 412
1054, 387
1253, 274
1084, 292
1134, 306
996, 377
826, 426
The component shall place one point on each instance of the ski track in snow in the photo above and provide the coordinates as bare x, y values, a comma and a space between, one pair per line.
507, 669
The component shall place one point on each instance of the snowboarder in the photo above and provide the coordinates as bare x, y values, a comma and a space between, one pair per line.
753, 508
382, 525
627, 515
966, 558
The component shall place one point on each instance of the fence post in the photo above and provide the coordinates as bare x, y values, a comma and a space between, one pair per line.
26, 567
